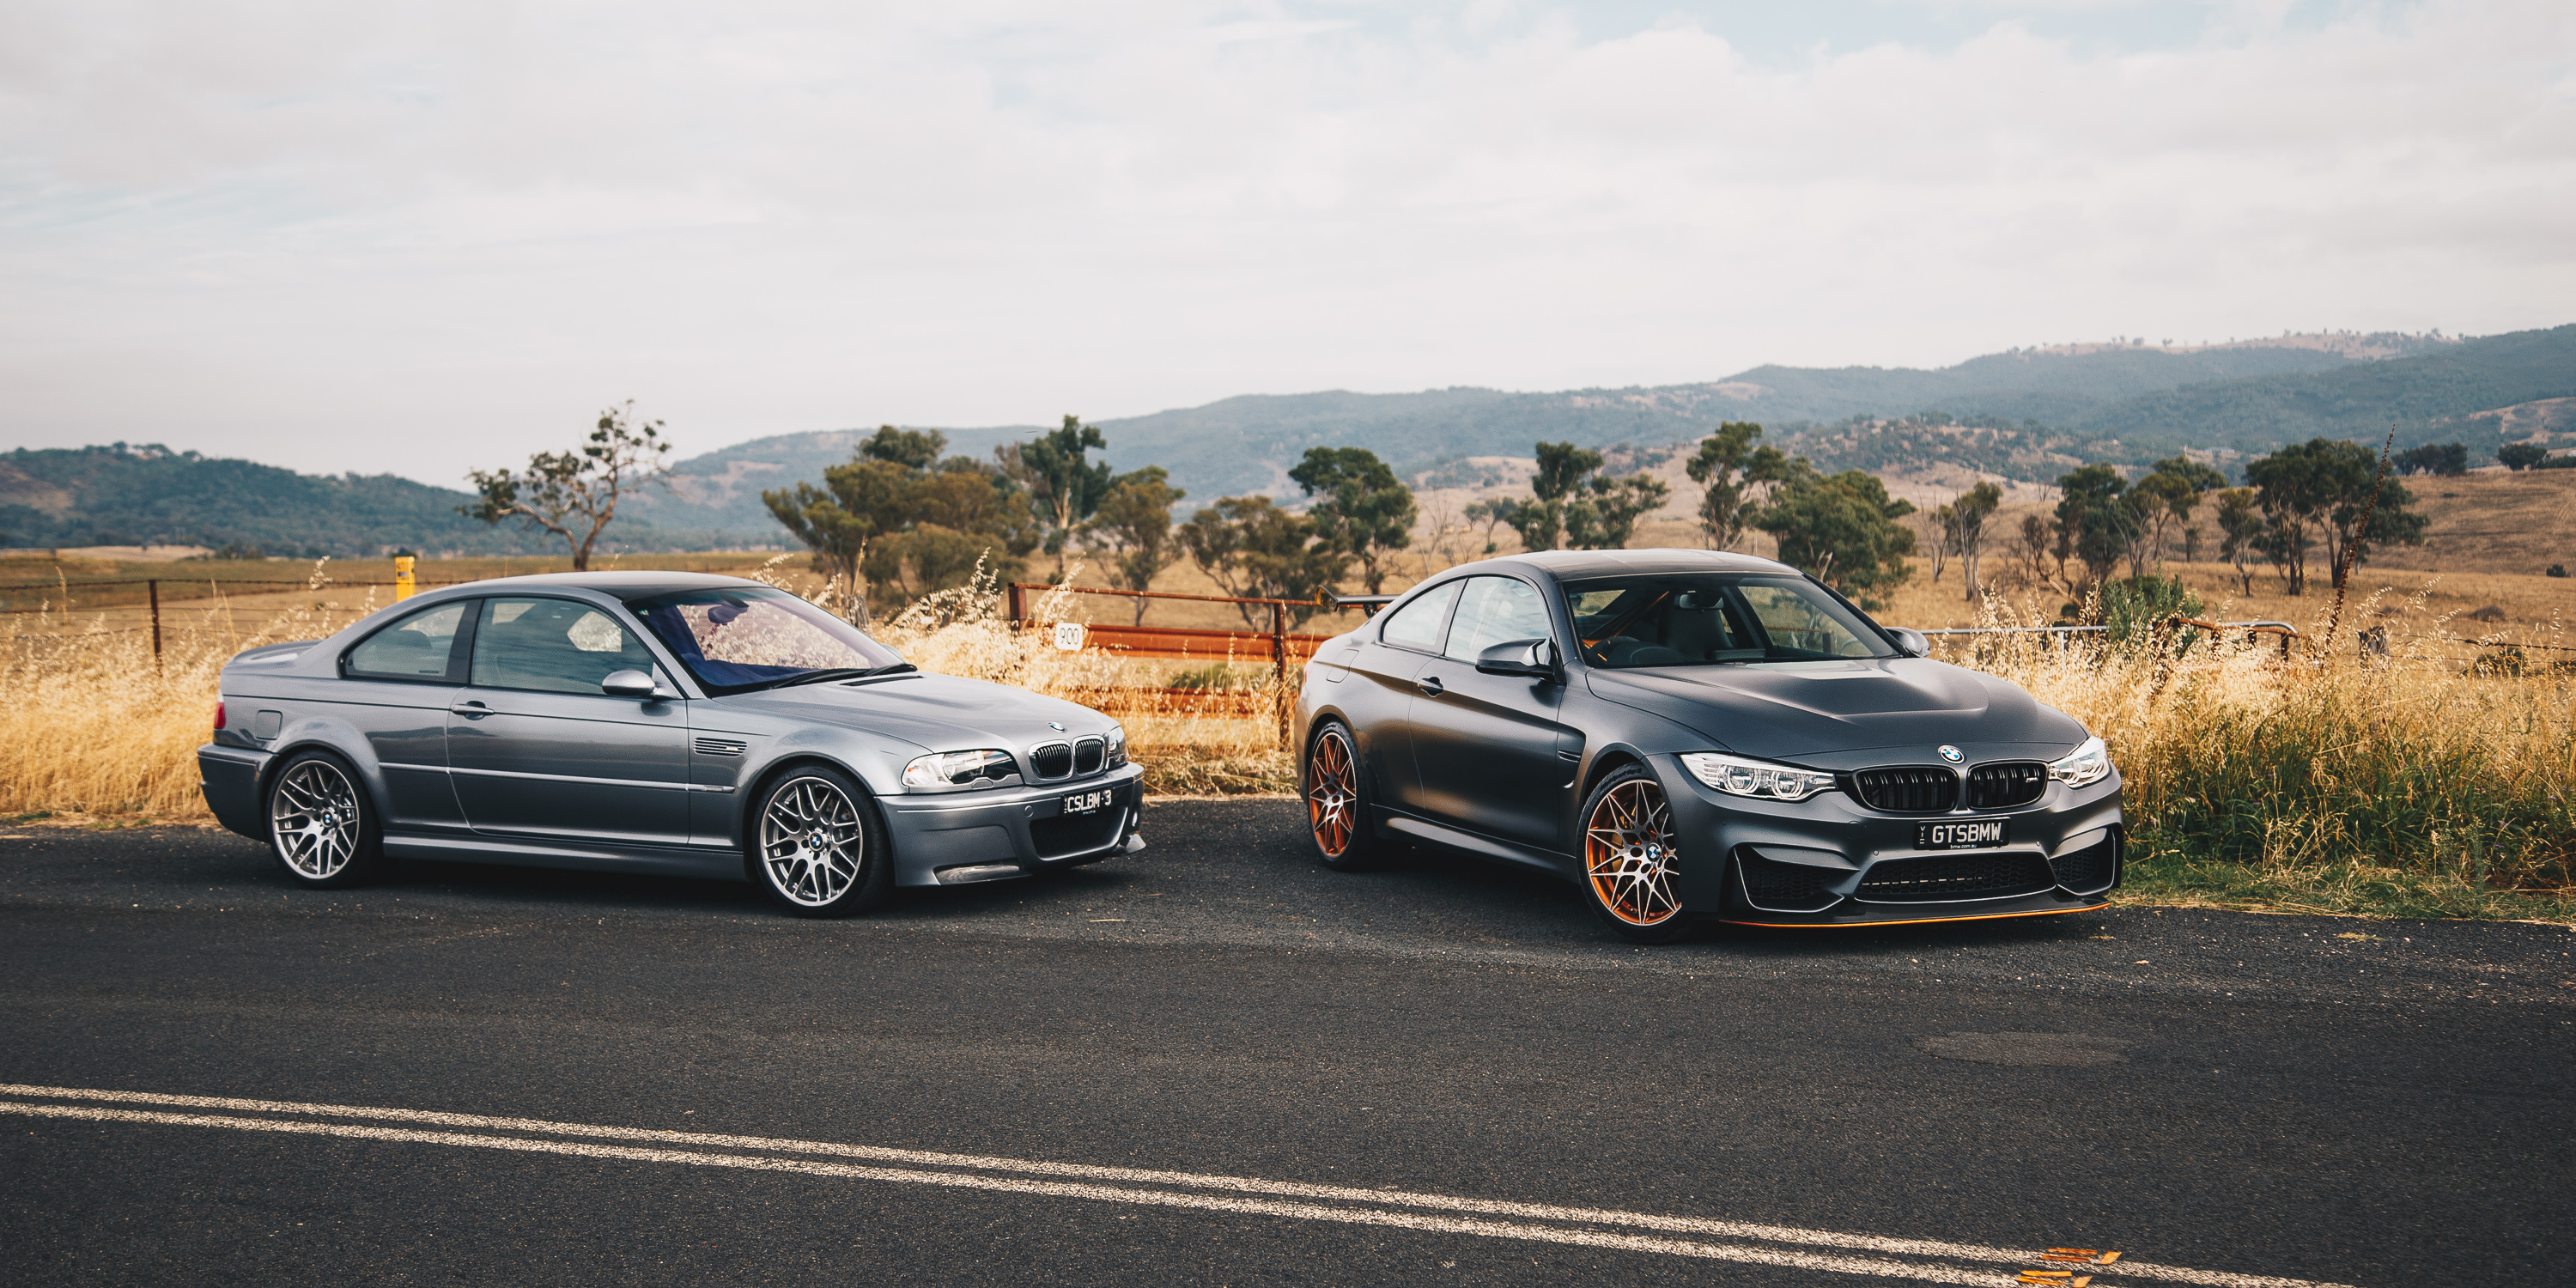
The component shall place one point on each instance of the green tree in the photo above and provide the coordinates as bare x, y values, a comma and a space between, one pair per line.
2240, 532
1842, 530
1720, 469
889, 524
574, 494
1135, 521
1574, 504
2095, 519
1489, 515
1255, 550
2170, 493
2521, 456
2431, 458
1064, 487
2319, 492
1363, 509
1964, 527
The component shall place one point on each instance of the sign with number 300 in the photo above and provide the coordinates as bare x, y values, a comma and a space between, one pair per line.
1068, 636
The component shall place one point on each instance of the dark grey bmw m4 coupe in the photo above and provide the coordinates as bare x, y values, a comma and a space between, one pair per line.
669, 723
1694, 735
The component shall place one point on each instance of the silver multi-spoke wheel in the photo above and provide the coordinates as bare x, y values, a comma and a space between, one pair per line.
812, 842
1628, 854
314, 819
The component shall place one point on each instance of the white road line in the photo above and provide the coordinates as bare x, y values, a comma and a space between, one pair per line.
1936, 1273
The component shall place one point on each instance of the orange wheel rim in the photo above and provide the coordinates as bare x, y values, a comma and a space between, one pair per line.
1628, 854
1332, 794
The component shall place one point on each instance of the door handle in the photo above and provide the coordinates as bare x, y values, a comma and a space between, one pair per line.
470, 707
1431, 686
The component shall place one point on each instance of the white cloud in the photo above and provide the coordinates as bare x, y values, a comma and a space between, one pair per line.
350, 237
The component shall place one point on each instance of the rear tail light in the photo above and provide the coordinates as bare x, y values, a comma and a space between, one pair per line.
219, 714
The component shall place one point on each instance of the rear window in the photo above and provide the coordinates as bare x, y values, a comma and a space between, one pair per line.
419, 647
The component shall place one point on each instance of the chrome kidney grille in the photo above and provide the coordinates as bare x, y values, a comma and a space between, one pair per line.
1052, 760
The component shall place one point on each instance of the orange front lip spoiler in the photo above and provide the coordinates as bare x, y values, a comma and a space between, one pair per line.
1912, 921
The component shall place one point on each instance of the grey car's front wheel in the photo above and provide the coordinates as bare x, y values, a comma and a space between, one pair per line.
321, 826
1629, 858
817, 847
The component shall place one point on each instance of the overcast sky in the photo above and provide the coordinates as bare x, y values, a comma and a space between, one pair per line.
417, 238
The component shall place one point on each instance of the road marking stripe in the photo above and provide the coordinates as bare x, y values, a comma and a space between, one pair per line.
1240, 1184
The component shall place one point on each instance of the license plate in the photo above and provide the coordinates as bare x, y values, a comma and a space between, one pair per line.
1090, 802
1966, 834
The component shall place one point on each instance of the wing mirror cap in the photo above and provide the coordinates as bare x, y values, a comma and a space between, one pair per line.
1911, 642
630, 684
1519, 657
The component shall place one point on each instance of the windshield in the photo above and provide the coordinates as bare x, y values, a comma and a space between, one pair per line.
734, 638
1702, 620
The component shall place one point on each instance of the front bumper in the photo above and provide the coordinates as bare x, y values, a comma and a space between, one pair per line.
959, 838
1830, 861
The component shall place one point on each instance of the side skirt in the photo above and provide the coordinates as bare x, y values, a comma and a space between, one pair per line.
716, 865
1410, 828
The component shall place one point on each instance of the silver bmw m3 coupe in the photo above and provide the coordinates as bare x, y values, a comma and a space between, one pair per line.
667, 723
1691, 735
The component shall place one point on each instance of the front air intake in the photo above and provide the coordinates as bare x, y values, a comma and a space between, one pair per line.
2004, 786
1946, 878
1906, 791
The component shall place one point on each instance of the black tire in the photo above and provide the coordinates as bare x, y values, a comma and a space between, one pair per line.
1337, 801
322, 826
798, 842
1629, 856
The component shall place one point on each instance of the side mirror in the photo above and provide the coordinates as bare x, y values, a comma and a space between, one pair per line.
628, 684
1910, 641
1534, 658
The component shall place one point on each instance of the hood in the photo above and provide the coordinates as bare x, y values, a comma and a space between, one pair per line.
1789, 710
932, 712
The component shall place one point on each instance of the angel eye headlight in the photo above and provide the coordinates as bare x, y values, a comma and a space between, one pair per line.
986, 768
1117, 745
1739, 777
2090, 763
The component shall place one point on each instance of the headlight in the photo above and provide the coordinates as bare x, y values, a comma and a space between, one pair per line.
984, 768
1117, 745
2090, 763
1738, 777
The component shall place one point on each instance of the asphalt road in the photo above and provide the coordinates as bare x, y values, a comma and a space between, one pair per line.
1458, 1049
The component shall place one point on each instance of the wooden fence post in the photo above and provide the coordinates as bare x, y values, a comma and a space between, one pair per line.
1279, 666
1017, 609
153, 588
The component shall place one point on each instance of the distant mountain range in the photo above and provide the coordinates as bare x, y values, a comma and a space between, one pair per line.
2023, 414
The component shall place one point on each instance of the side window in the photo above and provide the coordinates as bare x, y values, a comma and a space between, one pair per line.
1496, 610
419, 647
1417, 624
552, 645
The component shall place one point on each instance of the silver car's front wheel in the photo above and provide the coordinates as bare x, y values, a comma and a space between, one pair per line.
319, 823
818, 849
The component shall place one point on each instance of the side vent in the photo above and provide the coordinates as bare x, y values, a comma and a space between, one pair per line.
719, 747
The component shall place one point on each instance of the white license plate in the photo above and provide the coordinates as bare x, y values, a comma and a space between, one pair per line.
1967, 834
1089, 802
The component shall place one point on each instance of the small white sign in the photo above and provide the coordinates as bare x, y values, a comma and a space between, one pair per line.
1068, 636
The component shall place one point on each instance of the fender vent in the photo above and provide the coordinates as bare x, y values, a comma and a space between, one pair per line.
718, 747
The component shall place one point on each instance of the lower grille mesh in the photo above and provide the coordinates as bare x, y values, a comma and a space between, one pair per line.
1784, 887
2088, 870
1963, 876
1058, 837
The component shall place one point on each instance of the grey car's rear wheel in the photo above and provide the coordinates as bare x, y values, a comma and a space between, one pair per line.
1628, 858
321, 826
817, 847
1337, 802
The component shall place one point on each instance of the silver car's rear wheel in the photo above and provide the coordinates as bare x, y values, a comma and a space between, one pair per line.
819, 850
319, 824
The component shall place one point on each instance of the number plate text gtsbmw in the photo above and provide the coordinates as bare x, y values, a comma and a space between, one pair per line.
1966, 834
1089, 802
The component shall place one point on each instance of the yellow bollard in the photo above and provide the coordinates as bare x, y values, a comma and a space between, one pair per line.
402, 577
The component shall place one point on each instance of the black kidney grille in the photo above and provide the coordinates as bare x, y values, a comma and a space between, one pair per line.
2004, 786
2088, 870
1087, 755
1963, 876
1907, 791
1784, 887
1053, 760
